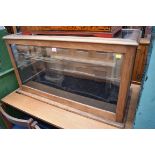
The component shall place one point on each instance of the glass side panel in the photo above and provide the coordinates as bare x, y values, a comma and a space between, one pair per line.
88, 77
132, 34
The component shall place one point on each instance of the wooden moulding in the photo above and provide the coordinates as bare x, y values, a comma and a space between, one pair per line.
14, 65
127, 48
72, 45
69, 39
70, 103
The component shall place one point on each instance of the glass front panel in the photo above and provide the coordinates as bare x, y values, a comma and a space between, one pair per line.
88, 77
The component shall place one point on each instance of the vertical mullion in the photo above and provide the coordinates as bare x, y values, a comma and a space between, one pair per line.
14, 65
125, 82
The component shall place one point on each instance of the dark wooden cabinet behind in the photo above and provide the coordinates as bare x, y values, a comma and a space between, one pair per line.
140, 60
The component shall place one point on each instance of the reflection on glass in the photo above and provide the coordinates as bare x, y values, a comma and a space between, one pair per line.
88, 77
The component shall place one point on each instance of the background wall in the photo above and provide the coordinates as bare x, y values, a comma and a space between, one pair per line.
8, 81
145, 116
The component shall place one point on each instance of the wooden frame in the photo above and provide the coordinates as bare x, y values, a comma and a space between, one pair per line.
127, 47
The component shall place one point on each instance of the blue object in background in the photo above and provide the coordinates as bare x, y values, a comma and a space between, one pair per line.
145, 115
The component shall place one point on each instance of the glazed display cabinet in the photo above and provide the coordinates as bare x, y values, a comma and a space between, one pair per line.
84, 75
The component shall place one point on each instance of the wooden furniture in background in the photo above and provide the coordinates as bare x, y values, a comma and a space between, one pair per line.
35, 125
70, 28
140, 60
10, 121
11, 29
96, 31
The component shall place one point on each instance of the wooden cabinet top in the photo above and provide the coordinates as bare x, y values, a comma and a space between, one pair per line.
129, 37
